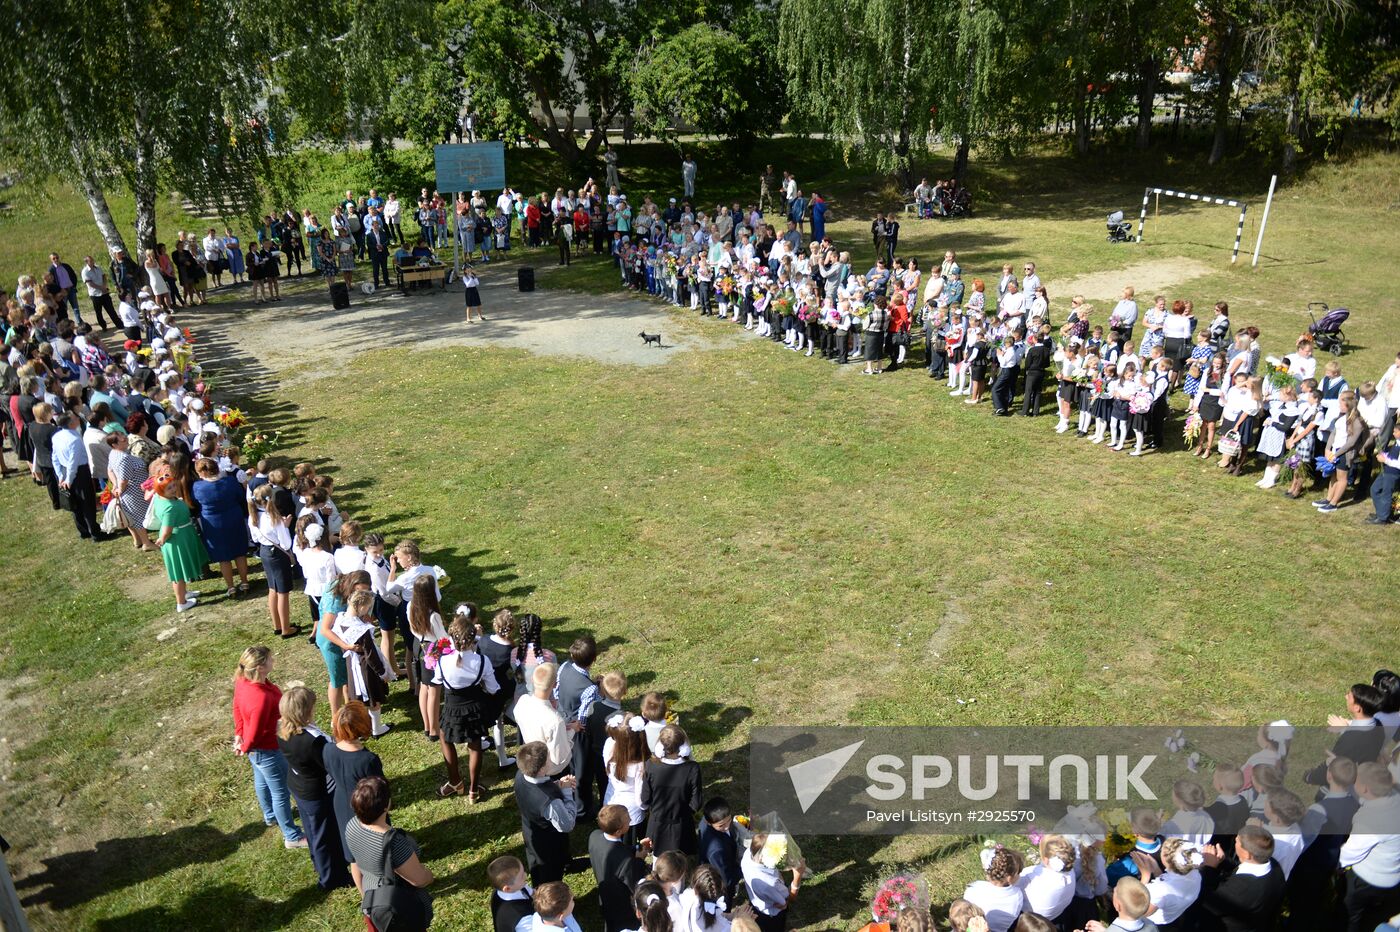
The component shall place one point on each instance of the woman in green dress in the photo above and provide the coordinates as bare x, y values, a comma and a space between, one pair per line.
179, 542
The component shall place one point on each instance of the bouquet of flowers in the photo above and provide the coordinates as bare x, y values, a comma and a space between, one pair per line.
105, 498
1277, 375
232, 420
1324, 466
1292, 466
779, 851
1193, 428
1121, 838
257, 446
1114, 322
898, 893
189, 335
439, 649
782, 307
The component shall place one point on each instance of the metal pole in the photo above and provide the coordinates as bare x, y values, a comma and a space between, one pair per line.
1264, 221
1142, 217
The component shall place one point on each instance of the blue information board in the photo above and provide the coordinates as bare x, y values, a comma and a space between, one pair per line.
470, 166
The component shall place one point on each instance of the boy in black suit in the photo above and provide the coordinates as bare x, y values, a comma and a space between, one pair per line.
1361, 737
510, 894
1247, 896
617, 868
719, 844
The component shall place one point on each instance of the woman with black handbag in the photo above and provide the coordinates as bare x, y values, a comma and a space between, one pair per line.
386, 867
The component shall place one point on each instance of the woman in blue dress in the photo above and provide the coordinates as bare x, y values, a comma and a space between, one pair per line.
234, 251
1198, 363
223, 522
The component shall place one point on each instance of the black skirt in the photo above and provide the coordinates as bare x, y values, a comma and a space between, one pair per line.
277, 567
1138, 421
1210, 409
473, 297
874, 345
979, 372
466, 715
1066, 391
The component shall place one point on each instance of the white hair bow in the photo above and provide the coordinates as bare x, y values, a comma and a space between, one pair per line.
715, 908
653, 899
1280, 733
616, 721
1056, 865
637, 723
313, 532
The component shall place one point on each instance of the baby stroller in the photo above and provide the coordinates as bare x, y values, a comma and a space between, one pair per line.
1119, 230
1327, 332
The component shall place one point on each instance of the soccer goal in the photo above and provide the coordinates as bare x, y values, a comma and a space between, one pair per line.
1202, 198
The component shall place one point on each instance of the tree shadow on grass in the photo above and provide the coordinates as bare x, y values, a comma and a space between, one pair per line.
223, 906
71, 879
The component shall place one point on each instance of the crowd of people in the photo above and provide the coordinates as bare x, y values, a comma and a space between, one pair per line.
128, 439
1110, 379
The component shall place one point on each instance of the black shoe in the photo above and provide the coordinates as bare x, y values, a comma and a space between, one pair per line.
1377, 519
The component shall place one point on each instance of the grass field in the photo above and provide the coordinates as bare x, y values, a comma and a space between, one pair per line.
766, 540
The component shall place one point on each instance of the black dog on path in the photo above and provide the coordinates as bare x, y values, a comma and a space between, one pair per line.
650, 338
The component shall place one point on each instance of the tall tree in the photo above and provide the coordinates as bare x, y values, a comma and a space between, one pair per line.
534, 64
711, 80
870, 84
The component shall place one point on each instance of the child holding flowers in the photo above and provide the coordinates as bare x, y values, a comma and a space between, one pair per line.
762, 868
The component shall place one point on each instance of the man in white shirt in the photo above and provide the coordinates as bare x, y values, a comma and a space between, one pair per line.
1371, 854
539, 720
98, 293
71, 465
1126, 310
1031, 282
1013, 306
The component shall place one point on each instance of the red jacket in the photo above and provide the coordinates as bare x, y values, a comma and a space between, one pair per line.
255, 715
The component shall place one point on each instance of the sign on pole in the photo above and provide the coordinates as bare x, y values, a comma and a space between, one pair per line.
470, 166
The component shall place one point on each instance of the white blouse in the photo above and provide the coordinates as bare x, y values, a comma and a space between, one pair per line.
1047, 892
1000, 904
626, 792
1173, 894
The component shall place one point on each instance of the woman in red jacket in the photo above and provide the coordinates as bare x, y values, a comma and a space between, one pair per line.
255, 715
900, 322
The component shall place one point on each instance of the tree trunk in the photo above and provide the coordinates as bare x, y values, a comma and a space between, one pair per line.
960, 160
102, 214
1291, 130
1081, 117
1224, 91
1149, 74
143, 188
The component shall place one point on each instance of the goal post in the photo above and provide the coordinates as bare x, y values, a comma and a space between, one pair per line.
1201, 198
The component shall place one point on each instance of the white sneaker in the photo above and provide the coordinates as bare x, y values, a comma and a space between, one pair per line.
300, 843
1097, 440
1266, 485
970, 401
185, 605
1136, 453
1061, 428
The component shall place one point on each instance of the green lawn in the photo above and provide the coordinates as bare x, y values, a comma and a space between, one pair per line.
766, 540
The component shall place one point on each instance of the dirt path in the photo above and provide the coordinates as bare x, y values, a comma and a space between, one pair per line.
1149, 277
302, 337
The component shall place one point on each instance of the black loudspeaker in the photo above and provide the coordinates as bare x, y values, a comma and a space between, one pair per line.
525, 278
340, 295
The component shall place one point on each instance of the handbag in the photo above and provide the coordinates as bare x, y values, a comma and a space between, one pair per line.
112, 519
394, 904
1230, 443
151, 522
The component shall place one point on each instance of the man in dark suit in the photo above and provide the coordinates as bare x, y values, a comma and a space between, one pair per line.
126, 274
67, 280
546, 814
1361, 737
377, 242
1243, 897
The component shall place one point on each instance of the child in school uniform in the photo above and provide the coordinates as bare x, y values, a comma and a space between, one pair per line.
1139, 410
768, 894
671, 793
617, 867
1190, 822
1278, 427
1241, 404
1121, 390
720, 843
1090, 878
1131, 902
1176, 889
1105, 386
704, 903
510, 893
998, 896
1147, 827
654, 710
669, 871
1049, 885
316, 561
1283, 811
553, 906
1303, 440
623, 759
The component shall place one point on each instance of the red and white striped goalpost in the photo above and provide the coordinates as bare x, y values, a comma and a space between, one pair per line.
1202, 198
